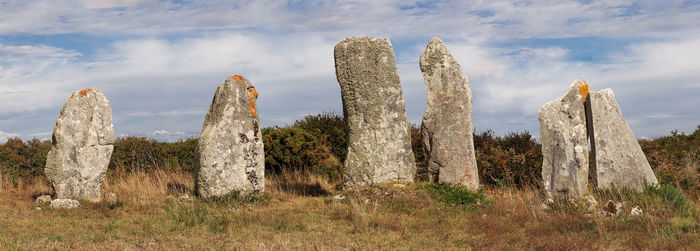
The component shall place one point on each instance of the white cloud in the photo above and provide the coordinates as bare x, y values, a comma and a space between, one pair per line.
163, 68
4, 136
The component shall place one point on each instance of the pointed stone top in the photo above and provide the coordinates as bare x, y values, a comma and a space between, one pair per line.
84, 93
582, 87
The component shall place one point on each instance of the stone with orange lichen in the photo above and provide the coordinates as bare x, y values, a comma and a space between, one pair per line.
82, 146
230, 155
565, 144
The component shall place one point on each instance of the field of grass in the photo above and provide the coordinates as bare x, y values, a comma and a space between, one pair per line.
157, 210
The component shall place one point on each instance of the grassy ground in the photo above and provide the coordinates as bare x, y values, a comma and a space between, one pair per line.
299, 212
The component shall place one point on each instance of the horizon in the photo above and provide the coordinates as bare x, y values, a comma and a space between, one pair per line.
159, 62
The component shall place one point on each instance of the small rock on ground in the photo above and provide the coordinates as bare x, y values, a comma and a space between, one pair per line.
43, 199
636, 211
65, 203
612, 209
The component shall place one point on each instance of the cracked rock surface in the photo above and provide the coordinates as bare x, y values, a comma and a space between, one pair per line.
230, 151
620, 161
379, 141
82, 145
564, 143
447, 123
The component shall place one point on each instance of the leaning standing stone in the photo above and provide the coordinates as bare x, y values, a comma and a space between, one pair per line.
564, 143
379, 141
230, 149
620, 161
82, 145
447, 123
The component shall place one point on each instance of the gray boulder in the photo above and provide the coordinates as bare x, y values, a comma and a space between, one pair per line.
564, 143
230, 151
379, 140
447, 122
81, 147
619, 160
65, 203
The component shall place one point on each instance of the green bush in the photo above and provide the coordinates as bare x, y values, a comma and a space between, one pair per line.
514, 160
19, 159
142, 154
455, 195
295, 149
675, 159
330, 129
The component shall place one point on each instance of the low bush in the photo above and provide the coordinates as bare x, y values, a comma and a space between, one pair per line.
455, 195
295, 149
514, 160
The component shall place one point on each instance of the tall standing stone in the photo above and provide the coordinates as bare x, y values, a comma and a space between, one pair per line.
564, 143
82, 145
447, 122
230, 151
619, 160
379, 140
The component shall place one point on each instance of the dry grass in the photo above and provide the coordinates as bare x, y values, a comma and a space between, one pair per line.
299, 212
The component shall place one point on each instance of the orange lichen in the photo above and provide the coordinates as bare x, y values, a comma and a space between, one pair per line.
252, 96
583, 90
84, 92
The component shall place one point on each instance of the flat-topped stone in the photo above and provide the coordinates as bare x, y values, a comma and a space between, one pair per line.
379, 141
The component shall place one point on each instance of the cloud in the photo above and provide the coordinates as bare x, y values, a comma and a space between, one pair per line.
4, 136
162, 60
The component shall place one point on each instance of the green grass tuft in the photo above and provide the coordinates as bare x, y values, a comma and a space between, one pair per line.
456, 195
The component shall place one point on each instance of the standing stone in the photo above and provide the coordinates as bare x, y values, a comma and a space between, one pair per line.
231, 156
447, 123
379, 140
564, 143
620, 161
82, 145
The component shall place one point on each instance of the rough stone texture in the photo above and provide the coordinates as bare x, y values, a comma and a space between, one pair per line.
82, 146
65, 203
636, 211
230, 151
447, 122
43, 199
620, 161
612, 209
564, 143
379, 140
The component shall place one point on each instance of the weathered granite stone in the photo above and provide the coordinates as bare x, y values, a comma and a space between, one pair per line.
620, 161
379, 140
230, 151
65, 203
82, 146
447, 123
564, 143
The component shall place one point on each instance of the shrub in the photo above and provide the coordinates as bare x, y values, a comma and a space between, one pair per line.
295, 149
675, 159
142, 154
19, 159
330, 129
455, 195
512, 160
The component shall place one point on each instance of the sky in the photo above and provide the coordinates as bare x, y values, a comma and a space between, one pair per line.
160, 61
